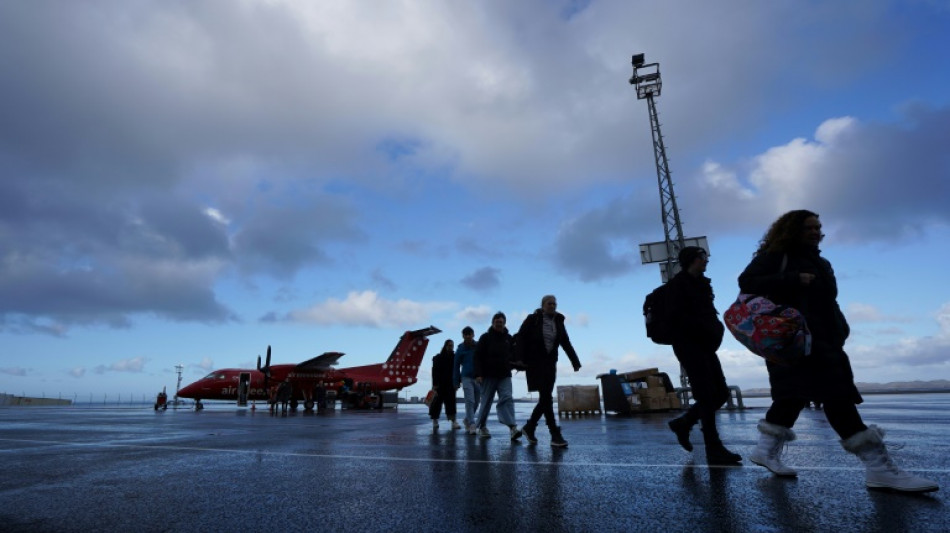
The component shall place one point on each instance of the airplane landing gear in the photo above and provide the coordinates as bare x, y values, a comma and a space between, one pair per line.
198, 405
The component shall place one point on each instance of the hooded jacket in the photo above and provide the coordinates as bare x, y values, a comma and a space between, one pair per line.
493, 354
696, 322
825, 373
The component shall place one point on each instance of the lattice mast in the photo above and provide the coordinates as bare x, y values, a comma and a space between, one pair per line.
646, 78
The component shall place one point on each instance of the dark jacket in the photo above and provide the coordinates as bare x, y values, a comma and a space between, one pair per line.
493, 354
826, 373
442, 372
541, 363
696, 323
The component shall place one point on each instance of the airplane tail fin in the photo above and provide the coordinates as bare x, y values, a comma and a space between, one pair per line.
403, 364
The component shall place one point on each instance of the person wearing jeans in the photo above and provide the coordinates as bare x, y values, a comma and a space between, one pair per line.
464, 376
493, 372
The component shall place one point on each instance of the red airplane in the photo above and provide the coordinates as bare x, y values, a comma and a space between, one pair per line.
360, 386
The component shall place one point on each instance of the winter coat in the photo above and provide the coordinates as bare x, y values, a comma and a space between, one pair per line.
696, 324
442, 371
826, 373
493, 354
464, 363
530, 348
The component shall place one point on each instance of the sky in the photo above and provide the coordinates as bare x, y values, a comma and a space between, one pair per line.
186, 183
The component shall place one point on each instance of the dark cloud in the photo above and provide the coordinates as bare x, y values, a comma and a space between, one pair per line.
483, 279
603, 242
281, 237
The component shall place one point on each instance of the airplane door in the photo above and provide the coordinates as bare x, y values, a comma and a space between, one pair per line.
244, 384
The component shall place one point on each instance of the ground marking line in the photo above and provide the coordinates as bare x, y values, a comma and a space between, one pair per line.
586, 464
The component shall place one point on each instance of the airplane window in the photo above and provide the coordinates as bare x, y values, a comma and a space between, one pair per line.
209, 376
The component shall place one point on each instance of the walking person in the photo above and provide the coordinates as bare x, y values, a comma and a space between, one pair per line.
538, 339
789, 268
463, 374
443, 385
493, 373
284, 392
697, 334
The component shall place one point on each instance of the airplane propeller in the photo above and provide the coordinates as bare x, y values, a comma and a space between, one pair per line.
266, 368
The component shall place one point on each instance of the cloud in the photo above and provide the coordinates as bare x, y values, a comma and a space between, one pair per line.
161, 148
483, 279
367, 308
77, 372
133, 365
380, 279
868, 174
600, 243
928, 351
475, 316
13, 371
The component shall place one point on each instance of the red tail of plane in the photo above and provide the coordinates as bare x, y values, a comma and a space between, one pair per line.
403, 365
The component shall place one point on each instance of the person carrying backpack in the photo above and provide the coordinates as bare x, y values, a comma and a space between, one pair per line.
697, 334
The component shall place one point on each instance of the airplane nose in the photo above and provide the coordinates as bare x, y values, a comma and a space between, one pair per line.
189, 391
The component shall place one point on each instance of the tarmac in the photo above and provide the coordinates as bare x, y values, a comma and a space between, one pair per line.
228, 468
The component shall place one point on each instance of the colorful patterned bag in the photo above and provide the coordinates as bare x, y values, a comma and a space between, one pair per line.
776, 332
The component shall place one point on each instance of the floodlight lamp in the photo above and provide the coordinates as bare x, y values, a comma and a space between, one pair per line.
637, 60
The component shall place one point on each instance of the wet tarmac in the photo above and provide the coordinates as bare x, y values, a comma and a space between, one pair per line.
232, 469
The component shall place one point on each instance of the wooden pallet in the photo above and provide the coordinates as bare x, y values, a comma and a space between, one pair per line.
580, 412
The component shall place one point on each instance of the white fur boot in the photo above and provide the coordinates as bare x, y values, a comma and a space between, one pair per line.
882, 473
768, 452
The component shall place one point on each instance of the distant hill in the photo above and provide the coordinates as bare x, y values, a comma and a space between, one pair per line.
936, 385
904, 385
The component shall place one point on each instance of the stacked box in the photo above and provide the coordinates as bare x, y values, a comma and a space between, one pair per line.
640, 374
578, 399
675, 402
651, 392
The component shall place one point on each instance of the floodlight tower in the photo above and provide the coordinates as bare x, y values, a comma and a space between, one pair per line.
646, 78
178, 369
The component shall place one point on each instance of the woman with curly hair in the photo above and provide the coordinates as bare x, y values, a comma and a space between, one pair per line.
789, 269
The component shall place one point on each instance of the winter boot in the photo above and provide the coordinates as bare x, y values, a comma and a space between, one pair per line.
716, 453
681, 426
882, 473
557, 440
455, 425
528, 431
768, 452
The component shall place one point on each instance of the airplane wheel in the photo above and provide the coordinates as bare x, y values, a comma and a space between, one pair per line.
308, 405
293, 405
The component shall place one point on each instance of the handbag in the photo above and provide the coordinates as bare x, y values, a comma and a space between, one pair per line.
777, 333
430, 397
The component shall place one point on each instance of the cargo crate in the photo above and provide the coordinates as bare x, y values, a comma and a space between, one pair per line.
578, 399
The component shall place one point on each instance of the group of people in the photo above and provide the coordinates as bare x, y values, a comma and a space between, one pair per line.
787, 267
483, 370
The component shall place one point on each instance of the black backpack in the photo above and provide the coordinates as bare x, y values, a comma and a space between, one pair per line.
658, 315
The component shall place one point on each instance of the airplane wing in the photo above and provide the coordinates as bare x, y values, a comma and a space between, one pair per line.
320, 362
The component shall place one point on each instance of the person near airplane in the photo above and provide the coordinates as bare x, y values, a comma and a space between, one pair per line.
443, 385
463, 374
493, 372
284, 392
